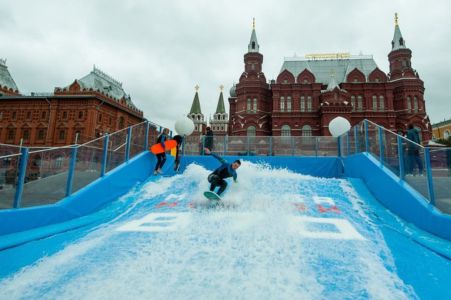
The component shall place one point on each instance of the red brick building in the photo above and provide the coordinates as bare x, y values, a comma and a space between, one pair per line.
309, 92
87, 108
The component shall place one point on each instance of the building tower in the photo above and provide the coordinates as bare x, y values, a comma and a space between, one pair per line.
408, 88
196, 115
220, 121
7, 85
250, 109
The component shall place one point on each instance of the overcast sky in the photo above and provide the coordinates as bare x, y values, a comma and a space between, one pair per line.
160, 50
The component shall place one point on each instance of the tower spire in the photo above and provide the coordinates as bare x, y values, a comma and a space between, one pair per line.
220, 109
253, 43
398, 41
195, 107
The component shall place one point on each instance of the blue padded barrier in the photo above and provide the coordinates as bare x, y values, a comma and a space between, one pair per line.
397, 195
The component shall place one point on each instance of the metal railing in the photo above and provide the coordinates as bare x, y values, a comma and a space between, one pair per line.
427, 170
31, 176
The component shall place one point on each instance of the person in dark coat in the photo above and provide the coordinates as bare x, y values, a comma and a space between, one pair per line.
413, 151
208, 142
161, 157
179, 140
226, 170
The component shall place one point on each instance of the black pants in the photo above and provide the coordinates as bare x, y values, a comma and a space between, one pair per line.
215, 181
161, 160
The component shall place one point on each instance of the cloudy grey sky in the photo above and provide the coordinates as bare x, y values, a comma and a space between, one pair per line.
161, 49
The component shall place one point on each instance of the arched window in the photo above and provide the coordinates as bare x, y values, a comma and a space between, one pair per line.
248, 108
374, 103
255, 105
381, 103
250, 131
409, 105
282, 103
302, 103
286, 130
253, 45
415, 104
306, 130
359, 103
353, 103
309, 103
288, 103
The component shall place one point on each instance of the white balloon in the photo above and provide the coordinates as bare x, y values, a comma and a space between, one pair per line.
184, 126
338, 126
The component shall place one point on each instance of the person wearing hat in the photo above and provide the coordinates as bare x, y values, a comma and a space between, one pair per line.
226, 170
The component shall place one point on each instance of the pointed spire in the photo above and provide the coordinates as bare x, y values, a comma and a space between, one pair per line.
332, 83
220, 109
253, 43
398, 41
195, 107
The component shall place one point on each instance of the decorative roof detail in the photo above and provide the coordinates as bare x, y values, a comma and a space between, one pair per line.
398, 41
253, 43
195, 107
98, 80
6, 79
332, 83
321, 68
220, 109
233, 91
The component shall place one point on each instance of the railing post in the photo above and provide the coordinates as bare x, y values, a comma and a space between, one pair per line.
400, 157
347, 143
127, 146
381, 146
270, 146
367, 138
427, 159
146, 138
225, 145
21, 178
70, 175
356, 140
339, 146
106, 142
292, 146
316, 146
203, 145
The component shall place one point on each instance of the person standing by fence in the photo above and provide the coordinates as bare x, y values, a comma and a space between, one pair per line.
413, 151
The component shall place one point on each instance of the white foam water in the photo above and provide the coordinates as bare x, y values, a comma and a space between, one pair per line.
252, 249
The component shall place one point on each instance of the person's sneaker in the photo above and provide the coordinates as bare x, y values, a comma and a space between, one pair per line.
159, 171
155, 172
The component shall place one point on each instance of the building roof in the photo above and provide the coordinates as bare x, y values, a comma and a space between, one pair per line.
98, 80
253, 43
220, 109
195, 107
5, 77
442, 123
323, 68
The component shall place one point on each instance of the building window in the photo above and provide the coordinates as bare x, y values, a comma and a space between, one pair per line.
302, 103
286, 130
248, 108
80, 114
446, 134
26, 134
62, 134
381, 103
14, 115
41, 134
1, 115
28, 115
99, 118
353, 103
374, 103
250, 131
285, 81
121, 122
255, 105
11, 134
64, 115
282, 103
58, 162
409, 104
43, 115
289, 104
415, 104
306, 130
359, 103
309, 103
